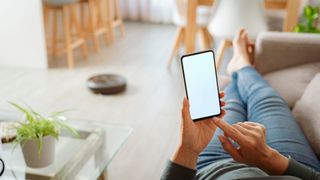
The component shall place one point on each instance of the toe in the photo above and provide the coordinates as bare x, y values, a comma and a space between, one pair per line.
238, 35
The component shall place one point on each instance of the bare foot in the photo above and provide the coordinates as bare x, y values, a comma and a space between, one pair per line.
243, 51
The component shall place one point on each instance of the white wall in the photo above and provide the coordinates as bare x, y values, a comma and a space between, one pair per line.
22, 38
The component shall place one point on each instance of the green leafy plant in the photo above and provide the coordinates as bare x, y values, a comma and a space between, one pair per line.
35, 126
310, 20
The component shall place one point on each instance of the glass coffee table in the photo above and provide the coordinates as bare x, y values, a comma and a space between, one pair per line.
85, 157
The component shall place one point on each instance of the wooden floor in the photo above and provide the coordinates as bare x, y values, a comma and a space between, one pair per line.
151, 104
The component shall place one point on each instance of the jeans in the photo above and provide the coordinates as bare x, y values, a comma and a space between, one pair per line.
250, 98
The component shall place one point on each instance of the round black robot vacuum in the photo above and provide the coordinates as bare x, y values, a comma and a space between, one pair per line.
107, 84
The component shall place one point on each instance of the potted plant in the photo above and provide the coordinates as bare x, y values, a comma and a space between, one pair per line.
310, 23
37, 135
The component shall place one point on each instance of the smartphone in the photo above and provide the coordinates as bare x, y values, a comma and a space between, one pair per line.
201, 84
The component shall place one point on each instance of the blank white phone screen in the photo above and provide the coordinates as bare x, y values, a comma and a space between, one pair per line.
201, 85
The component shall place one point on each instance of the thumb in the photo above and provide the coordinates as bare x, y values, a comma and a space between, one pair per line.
186, 111
228, 147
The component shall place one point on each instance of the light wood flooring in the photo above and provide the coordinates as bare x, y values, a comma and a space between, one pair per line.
150, 105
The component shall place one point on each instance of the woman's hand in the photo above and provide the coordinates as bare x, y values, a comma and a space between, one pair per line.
253, 149
194, 136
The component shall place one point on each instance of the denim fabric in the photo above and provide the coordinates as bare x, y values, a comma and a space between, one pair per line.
250, 98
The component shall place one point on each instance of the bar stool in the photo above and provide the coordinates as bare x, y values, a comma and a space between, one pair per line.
115, 14
180, 20
95, 22
72, 39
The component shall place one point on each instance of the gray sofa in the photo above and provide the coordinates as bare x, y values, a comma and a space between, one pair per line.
290, 62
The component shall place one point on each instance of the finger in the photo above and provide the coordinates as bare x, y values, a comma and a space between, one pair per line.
221, 94
247, 126
251, 123
222, 103
230, 131
241, 129
231, 140
228, 147
223, 112
186, 111
255, 126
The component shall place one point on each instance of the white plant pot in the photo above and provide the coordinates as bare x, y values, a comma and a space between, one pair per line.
31, 155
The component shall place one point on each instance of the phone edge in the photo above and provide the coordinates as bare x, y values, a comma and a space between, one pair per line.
185, 84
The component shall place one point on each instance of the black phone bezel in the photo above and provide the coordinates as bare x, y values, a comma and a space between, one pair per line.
185, 84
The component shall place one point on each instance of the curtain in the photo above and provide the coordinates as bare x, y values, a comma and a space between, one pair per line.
158, 11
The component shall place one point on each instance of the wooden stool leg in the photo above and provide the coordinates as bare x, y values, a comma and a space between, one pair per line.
79, 32
177, 43
46, 25
46, 18
204, 40
119, 17
102, 20
110, 18
292, 15
54, 33
223, 46
67, 36
92, 24
82, 15
209, 38
110, 33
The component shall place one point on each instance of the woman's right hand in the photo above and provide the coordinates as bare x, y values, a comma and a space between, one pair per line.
253, 149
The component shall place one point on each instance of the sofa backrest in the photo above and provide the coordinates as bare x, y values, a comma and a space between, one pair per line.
278, 50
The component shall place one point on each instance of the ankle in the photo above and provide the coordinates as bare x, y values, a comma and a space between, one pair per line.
243, 62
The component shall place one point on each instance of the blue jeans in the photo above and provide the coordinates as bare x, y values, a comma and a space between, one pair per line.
250, 98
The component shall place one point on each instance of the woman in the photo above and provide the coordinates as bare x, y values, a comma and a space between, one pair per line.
257, 138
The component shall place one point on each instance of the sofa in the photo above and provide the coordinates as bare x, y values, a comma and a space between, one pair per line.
290, 62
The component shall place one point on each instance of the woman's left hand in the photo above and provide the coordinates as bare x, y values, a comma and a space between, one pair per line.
194, 136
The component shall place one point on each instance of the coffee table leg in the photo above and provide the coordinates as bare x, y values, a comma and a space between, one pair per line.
103, 175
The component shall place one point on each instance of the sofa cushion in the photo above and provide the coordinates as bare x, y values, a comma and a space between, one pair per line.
291, 82
307, 113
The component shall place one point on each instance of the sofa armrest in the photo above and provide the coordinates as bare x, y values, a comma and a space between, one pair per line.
277, 50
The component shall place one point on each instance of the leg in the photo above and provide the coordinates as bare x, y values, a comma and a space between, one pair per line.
119, 17
235, 112
67, 34
266, 107
54, 33
209, 37
222, 48
93, 24
205, 44
110, 19
177, 43
82, 15
79, 31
